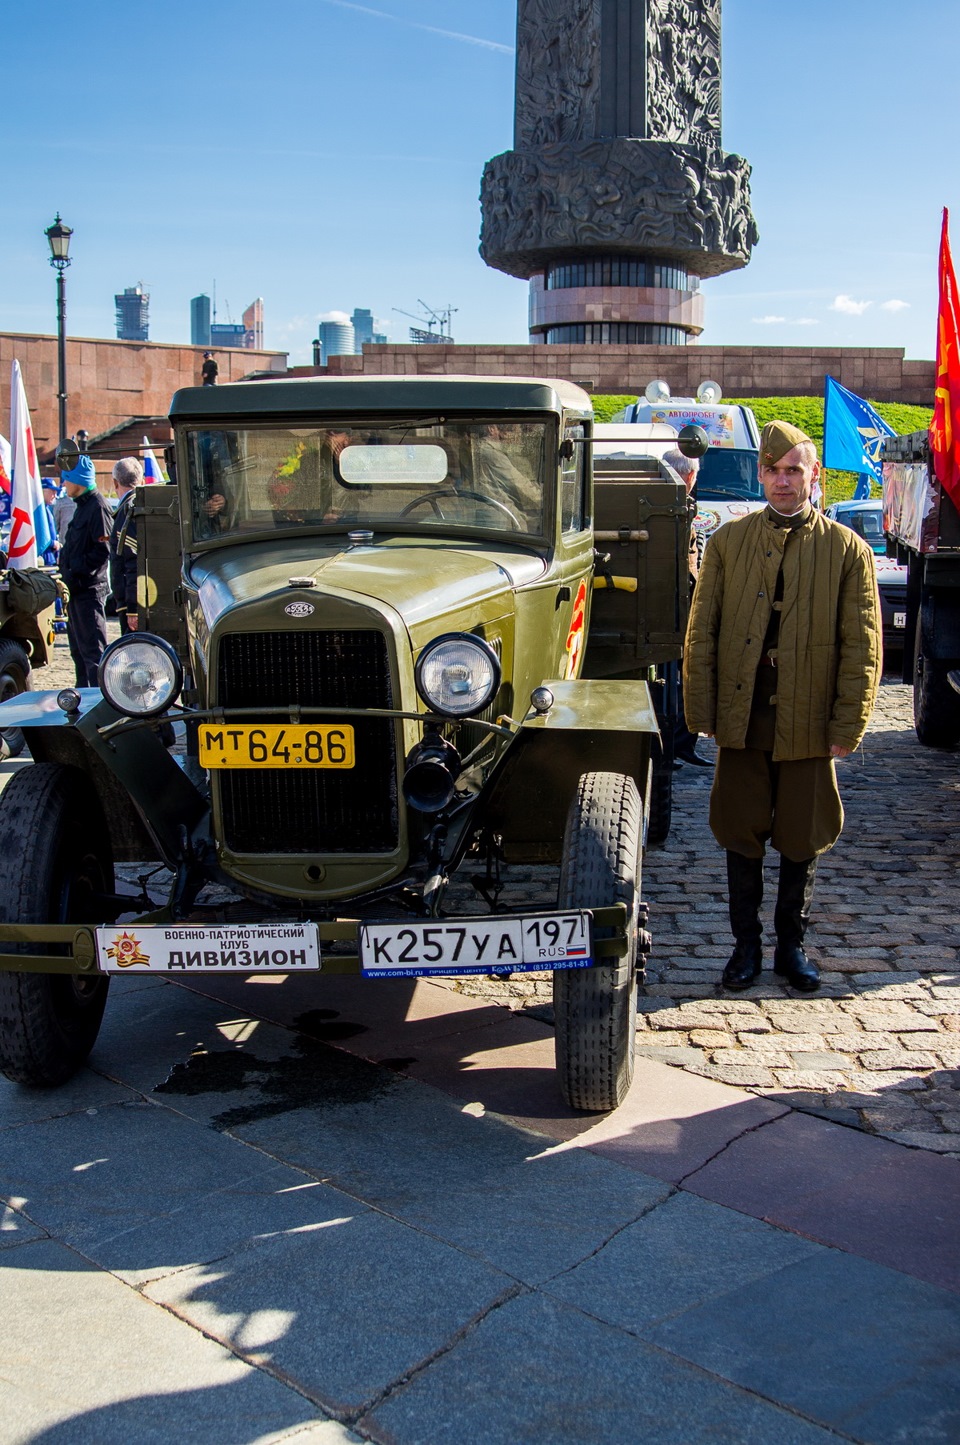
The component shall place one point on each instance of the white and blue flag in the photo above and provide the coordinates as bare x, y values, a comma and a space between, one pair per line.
151, 467
853, 435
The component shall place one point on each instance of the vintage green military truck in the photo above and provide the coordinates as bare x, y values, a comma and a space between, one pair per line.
375, 617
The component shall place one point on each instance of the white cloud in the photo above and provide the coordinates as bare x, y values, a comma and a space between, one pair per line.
806, 321
848, 306
340, 316
894, 305
768, 320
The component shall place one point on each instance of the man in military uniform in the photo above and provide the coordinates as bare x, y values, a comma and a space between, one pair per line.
127, 474
781, 664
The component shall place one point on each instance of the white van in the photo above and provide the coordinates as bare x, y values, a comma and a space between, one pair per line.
727, 483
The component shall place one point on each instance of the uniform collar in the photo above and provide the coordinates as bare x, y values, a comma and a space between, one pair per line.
788, 524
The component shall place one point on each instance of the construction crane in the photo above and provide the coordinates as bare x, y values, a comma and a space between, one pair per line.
424, 334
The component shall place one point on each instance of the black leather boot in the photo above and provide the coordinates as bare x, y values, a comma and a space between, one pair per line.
745, 883
791, 916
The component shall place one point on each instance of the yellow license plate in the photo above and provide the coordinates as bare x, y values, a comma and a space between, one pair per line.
242, 745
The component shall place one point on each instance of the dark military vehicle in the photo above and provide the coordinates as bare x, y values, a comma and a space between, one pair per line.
374, 617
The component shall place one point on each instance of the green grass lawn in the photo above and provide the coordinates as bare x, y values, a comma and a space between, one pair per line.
806, 412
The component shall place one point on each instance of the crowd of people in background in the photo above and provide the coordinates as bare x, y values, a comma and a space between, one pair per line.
95, 548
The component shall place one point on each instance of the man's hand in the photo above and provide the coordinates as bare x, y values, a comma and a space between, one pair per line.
132, 622
836, 751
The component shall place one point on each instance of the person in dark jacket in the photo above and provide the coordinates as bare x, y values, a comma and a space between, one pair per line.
84, 559
127, 474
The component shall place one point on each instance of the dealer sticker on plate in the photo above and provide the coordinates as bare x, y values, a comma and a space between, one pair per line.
235, 948
475, 945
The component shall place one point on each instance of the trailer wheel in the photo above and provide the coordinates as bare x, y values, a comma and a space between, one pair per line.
14, 679
936, 707
54, 862
596, 1008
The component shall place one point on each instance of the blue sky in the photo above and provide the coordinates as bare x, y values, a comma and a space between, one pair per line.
326, 155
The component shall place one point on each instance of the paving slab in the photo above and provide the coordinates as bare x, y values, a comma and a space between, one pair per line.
389, 1017
85, 1091
343, 1312
839, 1339
869, 1196
498, 1192
678, 1255
89, 1361
536, 1370
15, 1227
143, 1192
670, 1123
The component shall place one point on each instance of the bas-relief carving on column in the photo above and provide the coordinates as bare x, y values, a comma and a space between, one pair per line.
683, 70
558, 71
683, 203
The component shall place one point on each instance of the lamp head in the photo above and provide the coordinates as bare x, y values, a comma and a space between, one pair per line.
59, 237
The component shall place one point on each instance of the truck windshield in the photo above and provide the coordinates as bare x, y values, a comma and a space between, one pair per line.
444, 475
728, 472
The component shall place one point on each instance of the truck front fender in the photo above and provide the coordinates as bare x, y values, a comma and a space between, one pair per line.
593, 726
146, 797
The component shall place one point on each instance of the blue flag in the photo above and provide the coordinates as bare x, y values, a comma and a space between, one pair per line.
853, 433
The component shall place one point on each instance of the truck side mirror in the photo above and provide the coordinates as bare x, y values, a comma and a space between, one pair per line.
693, 441
67, 455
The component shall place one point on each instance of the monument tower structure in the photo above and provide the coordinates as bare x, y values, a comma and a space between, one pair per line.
617, 196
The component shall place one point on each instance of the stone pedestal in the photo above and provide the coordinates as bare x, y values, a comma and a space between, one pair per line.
617, 181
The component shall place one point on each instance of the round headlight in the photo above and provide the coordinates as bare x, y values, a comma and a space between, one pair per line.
140, 675
458, 674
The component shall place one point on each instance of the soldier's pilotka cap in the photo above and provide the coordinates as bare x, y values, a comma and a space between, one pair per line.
778, 438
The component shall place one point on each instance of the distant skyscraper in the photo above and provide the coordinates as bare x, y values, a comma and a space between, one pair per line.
336, 339
253, 325
200, 321
133, 320
363, 332
227, 333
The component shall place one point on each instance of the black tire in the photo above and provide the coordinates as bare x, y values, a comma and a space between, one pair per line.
14, 679
661, 798
936, 707
596, 1008
54, 858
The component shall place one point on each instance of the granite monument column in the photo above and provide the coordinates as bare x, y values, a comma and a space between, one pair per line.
617, 196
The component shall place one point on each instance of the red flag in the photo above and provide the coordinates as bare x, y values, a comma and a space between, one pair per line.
945, 425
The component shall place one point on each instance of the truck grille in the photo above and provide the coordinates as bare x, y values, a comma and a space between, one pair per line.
317, 810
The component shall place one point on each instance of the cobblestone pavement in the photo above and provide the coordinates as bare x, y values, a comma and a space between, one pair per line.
879, 1046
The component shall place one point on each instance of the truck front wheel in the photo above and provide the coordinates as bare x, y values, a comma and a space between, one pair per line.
596, 1008
936, 707
55, 863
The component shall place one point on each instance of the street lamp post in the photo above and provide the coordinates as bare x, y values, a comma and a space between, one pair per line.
59, 237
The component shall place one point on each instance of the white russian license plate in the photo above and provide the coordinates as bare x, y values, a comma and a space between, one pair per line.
232, 947
899, 619
241, 745
475, 945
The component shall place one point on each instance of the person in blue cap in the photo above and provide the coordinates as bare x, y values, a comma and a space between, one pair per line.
84, 559
50, 490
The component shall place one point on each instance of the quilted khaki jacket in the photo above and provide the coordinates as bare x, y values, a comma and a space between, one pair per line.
829, 652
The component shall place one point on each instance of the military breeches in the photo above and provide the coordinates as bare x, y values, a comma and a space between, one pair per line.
796, 805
